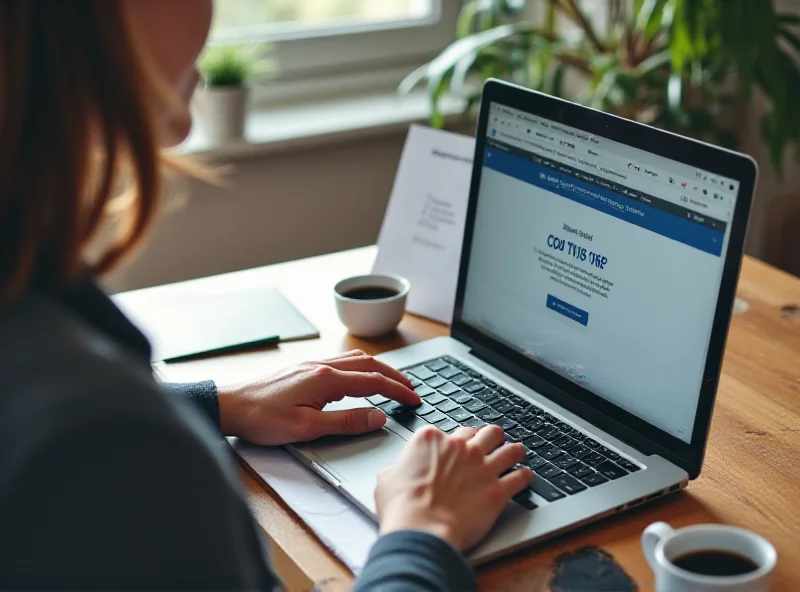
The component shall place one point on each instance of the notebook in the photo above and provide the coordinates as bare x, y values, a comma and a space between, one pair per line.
183, 325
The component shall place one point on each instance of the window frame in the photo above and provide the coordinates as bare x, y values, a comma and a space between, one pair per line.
352, 55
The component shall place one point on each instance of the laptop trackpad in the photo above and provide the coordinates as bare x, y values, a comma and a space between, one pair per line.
356, 459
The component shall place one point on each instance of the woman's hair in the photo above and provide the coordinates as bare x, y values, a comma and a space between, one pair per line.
77, 121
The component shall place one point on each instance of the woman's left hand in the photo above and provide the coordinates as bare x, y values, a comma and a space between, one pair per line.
288, 406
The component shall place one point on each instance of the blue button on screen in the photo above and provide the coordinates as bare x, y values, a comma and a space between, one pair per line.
568, 310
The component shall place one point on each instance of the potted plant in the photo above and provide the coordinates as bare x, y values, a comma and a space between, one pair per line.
675, 64
226, 72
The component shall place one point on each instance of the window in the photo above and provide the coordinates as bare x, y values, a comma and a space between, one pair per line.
332, 38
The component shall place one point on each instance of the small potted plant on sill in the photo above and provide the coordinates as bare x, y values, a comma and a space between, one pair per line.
223, 96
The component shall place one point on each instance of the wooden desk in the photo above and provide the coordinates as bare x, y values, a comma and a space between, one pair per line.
751, 476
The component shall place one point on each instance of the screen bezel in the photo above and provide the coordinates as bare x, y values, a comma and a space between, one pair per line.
607, 416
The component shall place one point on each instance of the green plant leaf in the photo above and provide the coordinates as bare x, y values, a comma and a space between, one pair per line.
466, 18
675, 91
412, 80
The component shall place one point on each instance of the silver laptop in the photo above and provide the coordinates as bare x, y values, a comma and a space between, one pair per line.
597, 279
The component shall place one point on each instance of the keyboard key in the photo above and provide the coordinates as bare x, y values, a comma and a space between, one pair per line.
594, 459
473, 387
534, 424
447, 425
435, 417
504, 406
424, 390
549, 433
611, 471
517, 400
534, 441
474, 423
389, 404
516, 413
523, 498
460, 415
580, 470
594, 479
449, 372
505, 423
447, 406
436, 365
436, 382
488, 396
547, 491
489, 383
564, 442
415, 382
435, 398
377, 399
450, 360
549, 452
474, 405
422, 372
424, 409
488, 414
411, 422
460, 379
518, 432
611, 455
565, 461
628, 465
448, 388
589, 443
568, 483
548, 471
534, 461
461, 397
580, 451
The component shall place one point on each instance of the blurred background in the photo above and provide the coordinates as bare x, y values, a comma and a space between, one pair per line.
324, 92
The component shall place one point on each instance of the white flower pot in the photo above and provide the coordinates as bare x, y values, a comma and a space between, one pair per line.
222, 112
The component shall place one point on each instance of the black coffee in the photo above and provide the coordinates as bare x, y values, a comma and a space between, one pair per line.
370, 293
715, 563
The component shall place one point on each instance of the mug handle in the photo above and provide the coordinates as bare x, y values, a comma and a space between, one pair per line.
652, 535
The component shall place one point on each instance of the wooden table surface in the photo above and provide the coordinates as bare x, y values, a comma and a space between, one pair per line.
751, 476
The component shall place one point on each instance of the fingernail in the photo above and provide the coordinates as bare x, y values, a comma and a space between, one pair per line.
375, 419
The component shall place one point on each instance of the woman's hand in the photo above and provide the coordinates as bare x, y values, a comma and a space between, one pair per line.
453, 487
288, 406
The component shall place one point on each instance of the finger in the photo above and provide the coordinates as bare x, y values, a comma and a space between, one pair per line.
347, 422
348, 354
464, 433
488, 438
365, 363
505, 457
516, 481
366, 384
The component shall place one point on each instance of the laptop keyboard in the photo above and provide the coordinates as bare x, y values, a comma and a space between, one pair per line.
566, 461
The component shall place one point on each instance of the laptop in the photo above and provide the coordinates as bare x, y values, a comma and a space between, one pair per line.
596, 286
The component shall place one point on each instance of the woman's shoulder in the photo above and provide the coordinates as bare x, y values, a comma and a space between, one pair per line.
61, 377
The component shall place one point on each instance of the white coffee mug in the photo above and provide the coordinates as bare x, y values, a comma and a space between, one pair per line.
662, 545
376, 316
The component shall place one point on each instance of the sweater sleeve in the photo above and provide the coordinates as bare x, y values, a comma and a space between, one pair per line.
411, 561
202, 394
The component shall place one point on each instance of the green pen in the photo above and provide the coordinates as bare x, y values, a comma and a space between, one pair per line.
227, 349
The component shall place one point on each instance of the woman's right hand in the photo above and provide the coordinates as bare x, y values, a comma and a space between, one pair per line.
453, 487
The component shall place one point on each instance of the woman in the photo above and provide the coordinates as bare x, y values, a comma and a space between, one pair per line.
106, 480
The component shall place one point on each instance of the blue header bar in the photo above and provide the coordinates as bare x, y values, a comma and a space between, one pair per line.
623, 208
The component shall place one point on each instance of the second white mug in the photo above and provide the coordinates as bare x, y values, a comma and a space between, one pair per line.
667, 550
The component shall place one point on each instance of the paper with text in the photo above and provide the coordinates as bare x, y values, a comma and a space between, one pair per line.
423, 228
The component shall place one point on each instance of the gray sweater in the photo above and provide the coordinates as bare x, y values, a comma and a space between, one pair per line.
107, 481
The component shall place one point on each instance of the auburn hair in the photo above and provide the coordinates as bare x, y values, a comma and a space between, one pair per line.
78, 94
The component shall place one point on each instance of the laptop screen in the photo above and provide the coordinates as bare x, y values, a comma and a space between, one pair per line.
600, 261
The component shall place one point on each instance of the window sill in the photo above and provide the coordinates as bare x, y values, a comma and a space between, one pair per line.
285, 128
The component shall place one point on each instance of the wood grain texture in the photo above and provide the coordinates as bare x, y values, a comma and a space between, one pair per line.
751, 476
